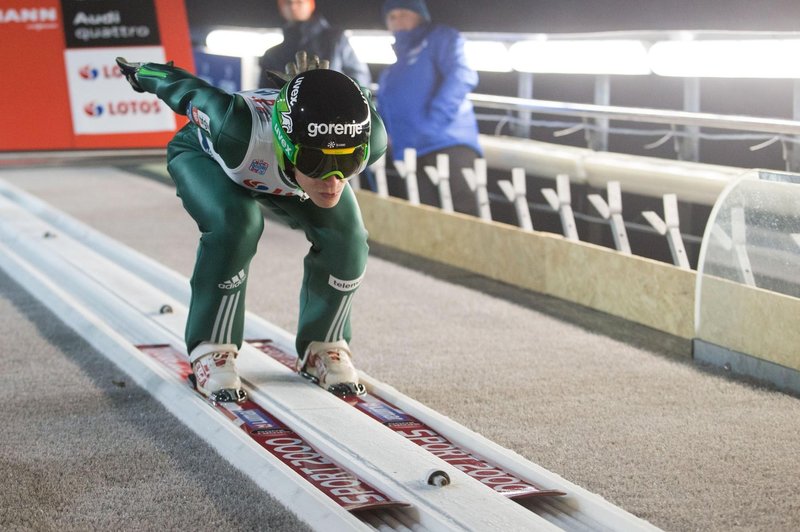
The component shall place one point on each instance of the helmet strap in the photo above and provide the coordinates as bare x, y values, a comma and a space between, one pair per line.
288, 170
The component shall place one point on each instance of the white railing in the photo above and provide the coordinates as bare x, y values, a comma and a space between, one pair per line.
638, 114
692, 182
670, 180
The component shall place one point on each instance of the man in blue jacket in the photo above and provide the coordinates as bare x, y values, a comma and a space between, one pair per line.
423, 98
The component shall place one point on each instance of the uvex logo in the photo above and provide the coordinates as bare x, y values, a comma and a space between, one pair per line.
295, 91
286, 121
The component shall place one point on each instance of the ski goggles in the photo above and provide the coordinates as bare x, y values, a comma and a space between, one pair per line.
322, 163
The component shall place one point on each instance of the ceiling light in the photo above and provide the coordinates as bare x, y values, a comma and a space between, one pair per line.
621, 57
240, 43
757, 58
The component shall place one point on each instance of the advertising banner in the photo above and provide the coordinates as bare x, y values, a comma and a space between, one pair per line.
103, 102
109, 23
62, 88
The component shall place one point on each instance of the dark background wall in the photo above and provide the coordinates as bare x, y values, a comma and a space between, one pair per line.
547, 16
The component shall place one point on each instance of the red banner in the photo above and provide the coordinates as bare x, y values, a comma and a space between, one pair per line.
62, 89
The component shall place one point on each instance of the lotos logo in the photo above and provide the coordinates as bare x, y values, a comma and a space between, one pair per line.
255, 185
351, 130
134, 107
88, 72
93, 109
123, 108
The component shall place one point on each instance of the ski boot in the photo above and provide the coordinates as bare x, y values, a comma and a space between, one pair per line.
329, 365
215, 375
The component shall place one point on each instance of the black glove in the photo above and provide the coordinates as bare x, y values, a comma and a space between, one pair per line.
129, 70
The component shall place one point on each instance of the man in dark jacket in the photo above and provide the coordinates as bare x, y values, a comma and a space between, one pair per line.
309, 31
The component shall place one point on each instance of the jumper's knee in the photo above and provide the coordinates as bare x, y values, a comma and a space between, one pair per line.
347, 251
235, 229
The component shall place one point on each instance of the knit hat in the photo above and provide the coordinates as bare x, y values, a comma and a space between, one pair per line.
281, 2
412, 5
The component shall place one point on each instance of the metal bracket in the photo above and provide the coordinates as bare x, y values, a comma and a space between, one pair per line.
408, 171
736, 242
670, 227
561, 202
612, 211
477, 180
440, 176
379, 168
514, 191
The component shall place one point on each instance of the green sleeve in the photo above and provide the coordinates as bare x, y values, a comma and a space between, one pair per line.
229, 122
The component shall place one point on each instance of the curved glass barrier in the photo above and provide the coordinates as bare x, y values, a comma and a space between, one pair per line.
748, 276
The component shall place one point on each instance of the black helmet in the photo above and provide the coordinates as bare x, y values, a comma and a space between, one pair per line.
321, 125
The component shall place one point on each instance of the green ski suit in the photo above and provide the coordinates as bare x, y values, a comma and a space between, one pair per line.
224, 166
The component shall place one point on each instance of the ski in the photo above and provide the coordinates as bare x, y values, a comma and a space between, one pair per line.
426, 437
273, 436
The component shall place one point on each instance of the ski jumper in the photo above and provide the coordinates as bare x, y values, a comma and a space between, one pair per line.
224, 167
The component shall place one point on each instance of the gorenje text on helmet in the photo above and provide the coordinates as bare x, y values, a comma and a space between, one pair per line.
351, 130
